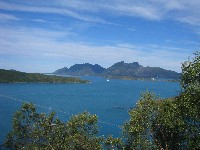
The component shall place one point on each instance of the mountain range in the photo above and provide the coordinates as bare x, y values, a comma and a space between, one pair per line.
119, 70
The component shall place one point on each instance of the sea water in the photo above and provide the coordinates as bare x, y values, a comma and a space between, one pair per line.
109, 99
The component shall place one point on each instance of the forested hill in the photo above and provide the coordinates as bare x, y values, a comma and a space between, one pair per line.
13, 76
120, 69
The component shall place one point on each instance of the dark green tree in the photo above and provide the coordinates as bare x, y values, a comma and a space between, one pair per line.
111, 143
32, 130
191, 72
137, 131
189, 101
153, 124
170, 123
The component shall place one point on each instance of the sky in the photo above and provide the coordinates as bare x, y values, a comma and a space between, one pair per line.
43, 36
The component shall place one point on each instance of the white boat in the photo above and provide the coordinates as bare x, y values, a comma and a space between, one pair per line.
108, 80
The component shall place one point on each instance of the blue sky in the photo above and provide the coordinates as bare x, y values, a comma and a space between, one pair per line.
42, 36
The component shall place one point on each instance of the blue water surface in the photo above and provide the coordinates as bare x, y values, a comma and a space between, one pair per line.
109, 100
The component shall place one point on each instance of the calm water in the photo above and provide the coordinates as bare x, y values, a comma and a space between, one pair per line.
99, 97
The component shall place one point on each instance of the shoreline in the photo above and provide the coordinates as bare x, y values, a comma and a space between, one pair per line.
46, 82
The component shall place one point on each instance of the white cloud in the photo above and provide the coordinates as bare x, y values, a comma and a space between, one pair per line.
50, 10
187, 11
40, 20
148, 9
114, 7
7, 17
41, 49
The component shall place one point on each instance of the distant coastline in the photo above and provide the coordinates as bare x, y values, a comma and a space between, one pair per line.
142, 79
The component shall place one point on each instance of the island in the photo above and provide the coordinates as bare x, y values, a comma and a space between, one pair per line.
13, 76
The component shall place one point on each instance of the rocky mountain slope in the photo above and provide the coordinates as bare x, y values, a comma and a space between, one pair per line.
120, 69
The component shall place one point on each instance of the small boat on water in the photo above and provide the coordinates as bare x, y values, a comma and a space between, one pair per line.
108, 80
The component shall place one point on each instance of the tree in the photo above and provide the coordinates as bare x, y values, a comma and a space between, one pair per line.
170, 123
111, 143
191, 72
32, 130
153, 124
189, 101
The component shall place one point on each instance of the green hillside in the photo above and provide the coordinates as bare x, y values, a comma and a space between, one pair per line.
12, 76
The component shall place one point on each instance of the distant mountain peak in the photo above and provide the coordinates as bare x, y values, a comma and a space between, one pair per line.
135, 63
123, 63
126, 65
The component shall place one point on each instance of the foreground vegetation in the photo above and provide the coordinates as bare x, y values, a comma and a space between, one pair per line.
12, 76
154, 123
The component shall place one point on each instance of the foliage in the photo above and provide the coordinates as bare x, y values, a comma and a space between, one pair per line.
10, 76
191, 72
32, 130
189, 101
137, 131
171, 123
111, 143
153, 124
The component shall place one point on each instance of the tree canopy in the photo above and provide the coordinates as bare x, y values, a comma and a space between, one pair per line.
32, 130
171, 123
